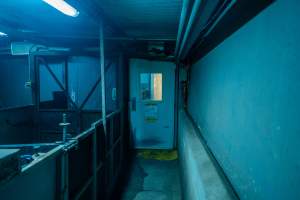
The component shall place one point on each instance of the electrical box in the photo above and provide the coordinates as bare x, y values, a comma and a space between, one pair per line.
21, 48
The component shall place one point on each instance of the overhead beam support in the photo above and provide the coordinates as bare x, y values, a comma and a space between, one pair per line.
93, 89
94, 10
61, 86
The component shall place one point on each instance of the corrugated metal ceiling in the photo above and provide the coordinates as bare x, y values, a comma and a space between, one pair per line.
155, 19
33, 19
147, 19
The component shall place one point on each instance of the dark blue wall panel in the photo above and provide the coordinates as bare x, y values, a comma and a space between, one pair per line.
245, 99
13, 75
83, 74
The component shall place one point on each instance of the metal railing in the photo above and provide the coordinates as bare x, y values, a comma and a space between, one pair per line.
87, 165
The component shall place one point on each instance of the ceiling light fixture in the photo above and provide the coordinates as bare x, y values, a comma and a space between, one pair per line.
63, 7
3, 34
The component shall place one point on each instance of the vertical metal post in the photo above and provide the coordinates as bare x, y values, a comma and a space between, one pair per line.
120, 89
177, 88
95, 165
66, 77
36, 89
120, 97
65, 176
64, 124
32, 68
102, 62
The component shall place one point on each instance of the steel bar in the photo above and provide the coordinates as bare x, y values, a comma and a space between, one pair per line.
176, 105
95, 179
102, 62
37, 93
48, 155
52, 74
93, 88
65, 176
62, 152
58, 110
66, 77
15, 108
8, 146
119, 77
83, 189
140, 39
58, 82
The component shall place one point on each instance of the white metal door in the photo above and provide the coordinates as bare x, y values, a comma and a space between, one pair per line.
152, 88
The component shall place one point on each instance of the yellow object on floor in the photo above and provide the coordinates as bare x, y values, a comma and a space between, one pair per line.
158, 154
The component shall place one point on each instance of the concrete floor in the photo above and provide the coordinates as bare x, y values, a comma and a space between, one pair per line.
152, 179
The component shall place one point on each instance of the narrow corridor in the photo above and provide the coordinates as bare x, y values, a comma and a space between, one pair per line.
149, 99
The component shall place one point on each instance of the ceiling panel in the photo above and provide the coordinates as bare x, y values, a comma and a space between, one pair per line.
34, 19
144, 18
37, 19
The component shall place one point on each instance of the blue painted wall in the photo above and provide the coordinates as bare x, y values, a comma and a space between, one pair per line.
245, 99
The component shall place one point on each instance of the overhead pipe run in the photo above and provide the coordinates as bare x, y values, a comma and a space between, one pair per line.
226, 6
140, 39
183, 17
184, 33
192, 18
217, 14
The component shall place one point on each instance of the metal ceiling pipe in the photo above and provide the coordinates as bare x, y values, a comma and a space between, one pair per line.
229, 4
209, 26
140, 39
193, 16
183, 17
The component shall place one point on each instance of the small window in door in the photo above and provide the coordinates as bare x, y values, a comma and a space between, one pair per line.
151, 86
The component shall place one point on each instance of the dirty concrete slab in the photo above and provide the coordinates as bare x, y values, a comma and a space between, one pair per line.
153, 179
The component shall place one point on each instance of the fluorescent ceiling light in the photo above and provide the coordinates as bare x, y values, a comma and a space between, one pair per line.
63, 7
2, 34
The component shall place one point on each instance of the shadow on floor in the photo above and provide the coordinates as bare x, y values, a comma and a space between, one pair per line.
151, 175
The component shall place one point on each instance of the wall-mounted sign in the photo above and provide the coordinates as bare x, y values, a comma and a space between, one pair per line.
151, 113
